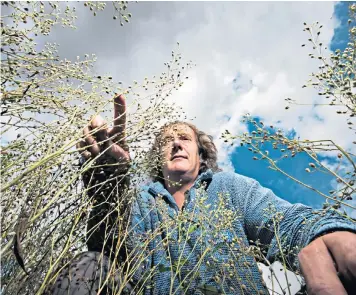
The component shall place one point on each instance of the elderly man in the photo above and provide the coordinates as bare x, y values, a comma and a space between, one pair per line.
190, 230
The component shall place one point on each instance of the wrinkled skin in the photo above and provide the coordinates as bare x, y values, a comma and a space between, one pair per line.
328, 264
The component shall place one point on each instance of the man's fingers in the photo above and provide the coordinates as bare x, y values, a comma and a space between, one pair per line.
95, 134
99, 126
119, 127
91, 143
102, 135
342, 247
81, 146
319, 271
97, 140
92, 148
117, 152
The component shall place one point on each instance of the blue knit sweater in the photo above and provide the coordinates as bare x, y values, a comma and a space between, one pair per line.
206, 247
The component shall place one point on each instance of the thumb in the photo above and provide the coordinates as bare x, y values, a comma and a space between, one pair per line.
118, 152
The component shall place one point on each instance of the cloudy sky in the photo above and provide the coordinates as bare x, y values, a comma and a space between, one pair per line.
249, 59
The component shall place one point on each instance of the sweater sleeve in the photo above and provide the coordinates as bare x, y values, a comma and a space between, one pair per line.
281, 226
106, 189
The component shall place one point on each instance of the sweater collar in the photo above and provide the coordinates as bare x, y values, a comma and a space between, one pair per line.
157, 188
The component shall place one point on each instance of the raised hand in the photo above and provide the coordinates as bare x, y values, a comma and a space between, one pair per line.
111, 142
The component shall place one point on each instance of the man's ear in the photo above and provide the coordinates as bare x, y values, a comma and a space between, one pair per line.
201, 152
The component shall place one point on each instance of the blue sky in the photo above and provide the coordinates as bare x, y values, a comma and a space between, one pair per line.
283, 186
340, 36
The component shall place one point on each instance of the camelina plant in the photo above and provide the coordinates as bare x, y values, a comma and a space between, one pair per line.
52, 201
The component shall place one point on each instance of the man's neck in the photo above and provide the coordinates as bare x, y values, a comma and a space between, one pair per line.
177, 188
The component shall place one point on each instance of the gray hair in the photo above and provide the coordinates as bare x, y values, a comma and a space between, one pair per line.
206, 147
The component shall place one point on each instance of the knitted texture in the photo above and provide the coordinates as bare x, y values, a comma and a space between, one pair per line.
206, 247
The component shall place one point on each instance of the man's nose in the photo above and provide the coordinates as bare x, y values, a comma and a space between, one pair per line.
177, 143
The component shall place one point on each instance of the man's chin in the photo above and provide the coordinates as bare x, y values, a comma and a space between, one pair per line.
179, 170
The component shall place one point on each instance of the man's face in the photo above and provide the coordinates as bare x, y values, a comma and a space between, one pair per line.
180, 152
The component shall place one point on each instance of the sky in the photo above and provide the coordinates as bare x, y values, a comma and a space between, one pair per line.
283, 186
248, 58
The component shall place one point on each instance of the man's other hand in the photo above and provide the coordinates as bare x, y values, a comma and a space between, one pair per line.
328, 264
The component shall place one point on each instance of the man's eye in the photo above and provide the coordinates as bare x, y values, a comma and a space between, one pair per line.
184, 138
167, 140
